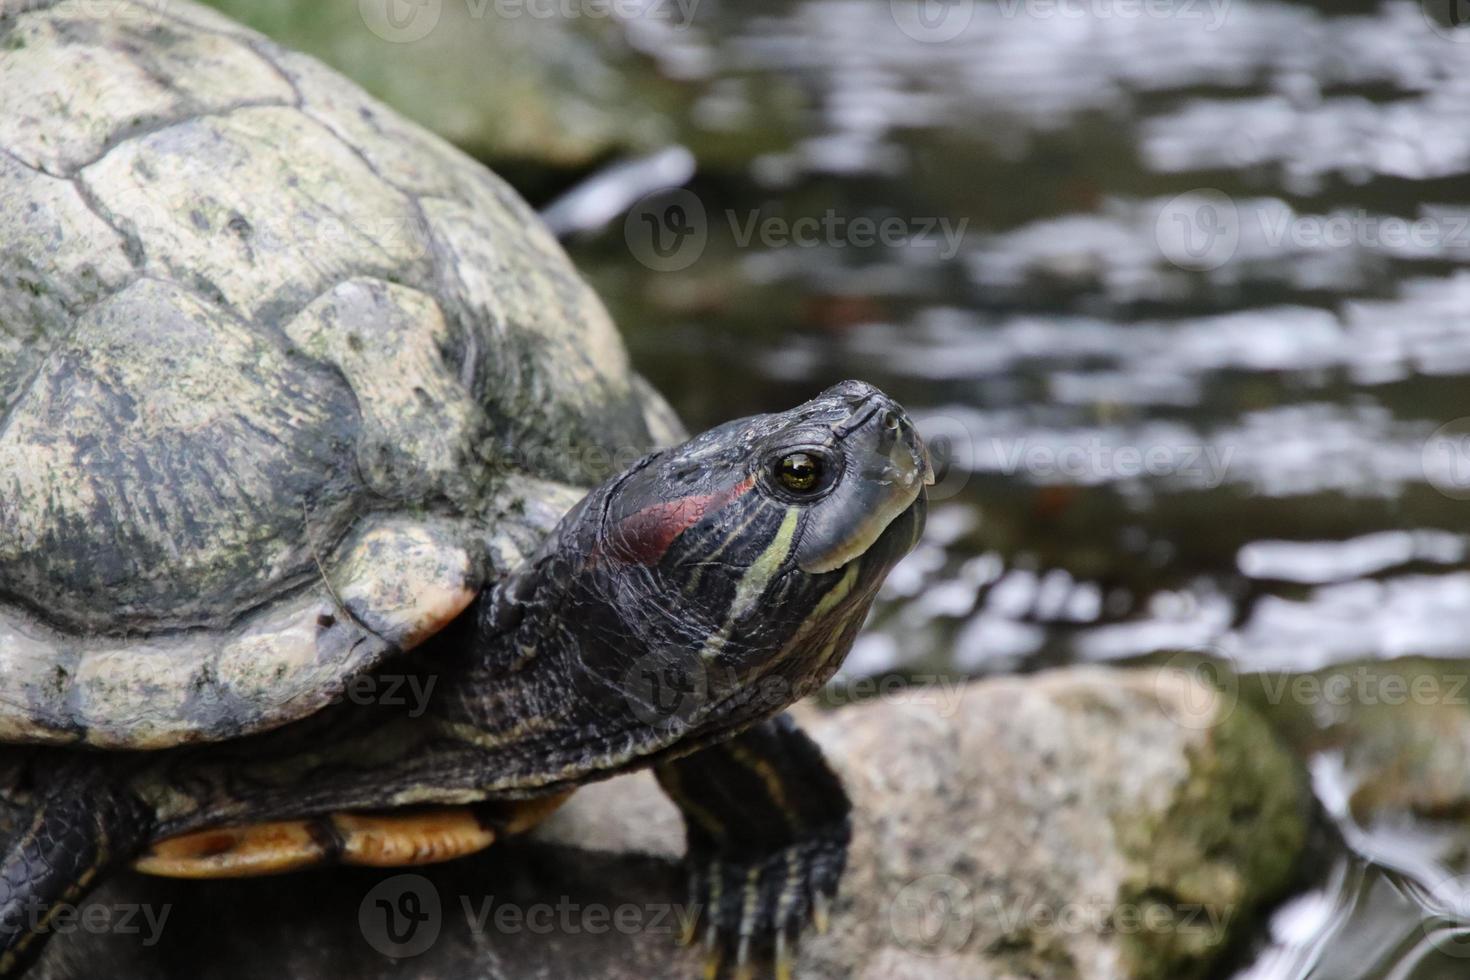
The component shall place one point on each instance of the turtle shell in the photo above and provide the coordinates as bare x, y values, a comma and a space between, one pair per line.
284, 379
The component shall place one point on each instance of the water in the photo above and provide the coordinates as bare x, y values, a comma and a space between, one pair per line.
1184, 297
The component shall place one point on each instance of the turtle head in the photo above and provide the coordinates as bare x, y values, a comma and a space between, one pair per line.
742, 563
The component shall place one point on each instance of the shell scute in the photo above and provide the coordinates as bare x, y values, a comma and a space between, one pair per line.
265, 348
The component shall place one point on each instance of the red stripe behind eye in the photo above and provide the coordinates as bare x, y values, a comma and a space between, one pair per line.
644, 537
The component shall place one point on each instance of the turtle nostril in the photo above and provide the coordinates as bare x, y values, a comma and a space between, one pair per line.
854, 393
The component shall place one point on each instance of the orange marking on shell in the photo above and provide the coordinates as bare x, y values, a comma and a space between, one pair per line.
645, 537
371, 840
235, 852
401, 840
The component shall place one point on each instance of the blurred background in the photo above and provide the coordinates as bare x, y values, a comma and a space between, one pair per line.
1180, 288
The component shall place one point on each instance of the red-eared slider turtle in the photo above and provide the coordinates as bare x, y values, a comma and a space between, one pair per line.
296, 406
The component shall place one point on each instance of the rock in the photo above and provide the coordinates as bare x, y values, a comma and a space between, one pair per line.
507, 82
1086, 823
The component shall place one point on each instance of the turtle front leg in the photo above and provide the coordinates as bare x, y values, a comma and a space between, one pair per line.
768, 827
58, 852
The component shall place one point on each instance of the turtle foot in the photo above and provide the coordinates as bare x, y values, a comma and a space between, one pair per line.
753, 909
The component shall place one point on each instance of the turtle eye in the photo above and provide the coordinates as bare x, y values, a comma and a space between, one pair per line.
799, 472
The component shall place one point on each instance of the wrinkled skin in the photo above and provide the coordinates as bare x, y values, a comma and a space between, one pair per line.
665, 623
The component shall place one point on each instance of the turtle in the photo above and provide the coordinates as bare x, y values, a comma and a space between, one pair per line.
301, 409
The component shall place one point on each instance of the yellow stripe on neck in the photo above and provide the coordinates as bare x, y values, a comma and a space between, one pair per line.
753, 583
820, 615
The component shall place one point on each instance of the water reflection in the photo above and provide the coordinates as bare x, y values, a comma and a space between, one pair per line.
1397, 911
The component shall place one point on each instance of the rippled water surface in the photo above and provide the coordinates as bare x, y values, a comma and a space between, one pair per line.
1183, 296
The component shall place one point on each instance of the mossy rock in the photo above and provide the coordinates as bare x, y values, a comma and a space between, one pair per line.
510, 90
1227, 844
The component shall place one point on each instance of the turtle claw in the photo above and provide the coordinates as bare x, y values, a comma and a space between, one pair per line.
768, 825
754, 909
821, 913
785, 957
742, 960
